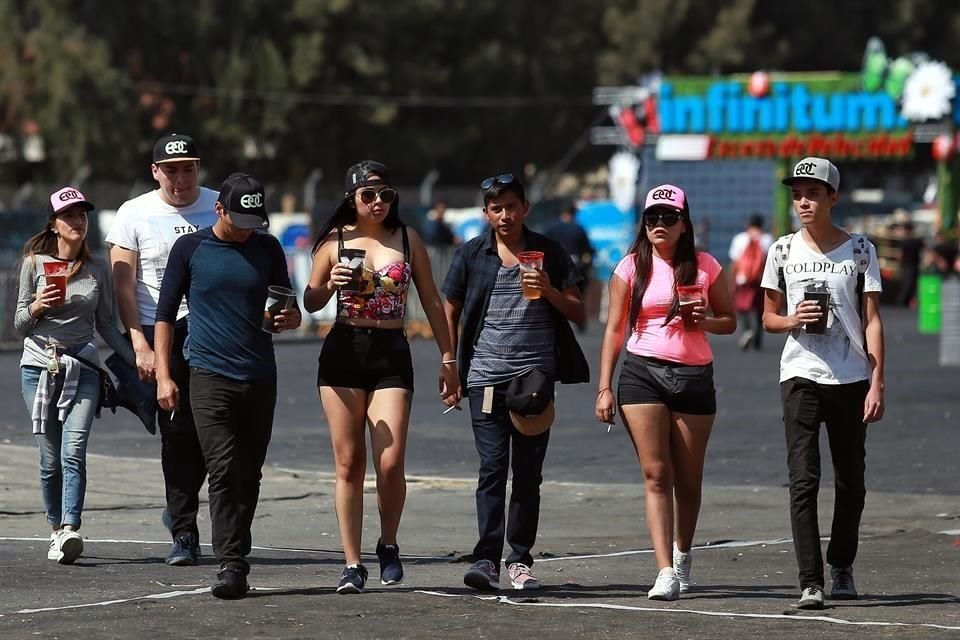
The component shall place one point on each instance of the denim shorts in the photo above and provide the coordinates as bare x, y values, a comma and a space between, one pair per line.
682, 388
365, 358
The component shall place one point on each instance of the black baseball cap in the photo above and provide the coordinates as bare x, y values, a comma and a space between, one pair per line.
359, 175
173, 148
242, 196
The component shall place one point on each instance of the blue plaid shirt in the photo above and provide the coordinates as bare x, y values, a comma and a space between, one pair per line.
471, 277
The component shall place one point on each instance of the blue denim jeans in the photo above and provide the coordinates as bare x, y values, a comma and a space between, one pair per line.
63, 448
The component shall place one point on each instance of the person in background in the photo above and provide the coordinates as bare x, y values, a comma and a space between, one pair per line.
942, 257
748, 254
225, 271
436, 231
143, 231
574, 239
666, 392
365, 371
911, 254
59, 369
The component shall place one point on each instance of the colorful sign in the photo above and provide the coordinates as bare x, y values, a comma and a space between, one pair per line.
785, 116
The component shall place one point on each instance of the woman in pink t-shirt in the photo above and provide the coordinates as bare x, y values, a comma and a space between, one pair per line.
665, 391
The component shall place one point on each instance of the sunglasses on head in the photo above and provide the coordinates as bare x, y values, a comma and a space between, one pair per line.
503, 178
387, 195
668, 218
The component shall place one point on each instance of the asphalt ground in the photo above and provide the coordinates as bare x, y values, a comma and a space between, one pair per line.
593, 548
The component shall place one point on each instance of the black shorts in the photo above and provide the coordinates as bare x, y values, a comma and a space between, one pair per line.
367, 359
682, 388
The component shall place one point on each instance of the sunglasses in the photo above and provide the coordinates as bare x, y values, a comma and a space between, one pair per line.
387, 195
668, 218
503, 178
53, 365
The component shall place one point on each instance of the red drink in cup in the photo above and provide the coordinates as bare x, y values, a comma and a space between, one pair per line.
690, 296
55, 273
530, 261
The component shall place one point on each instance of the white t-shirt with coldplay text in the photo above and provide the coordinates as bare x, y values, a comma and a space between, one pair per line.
838, 356
149, 225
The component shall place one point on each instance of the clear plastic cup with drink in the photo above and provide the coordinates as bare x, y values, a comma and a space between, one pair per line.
530, 261
55, 272
690, 296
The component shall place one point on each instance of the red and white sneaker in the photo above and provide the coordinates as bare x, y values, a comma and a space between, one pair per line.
521, 577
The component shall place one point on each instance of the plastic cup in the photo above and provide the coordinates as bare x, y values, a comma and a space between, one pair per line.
278, 299
690, 296
353, 258
822, 298
530, 261
55, 273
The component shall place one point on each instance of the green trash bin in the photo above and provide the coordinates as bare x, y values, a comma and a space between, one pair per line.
928, 302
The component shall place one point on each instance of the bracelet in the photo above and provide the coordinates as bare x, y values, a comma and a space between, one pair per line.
448, 362
599, 391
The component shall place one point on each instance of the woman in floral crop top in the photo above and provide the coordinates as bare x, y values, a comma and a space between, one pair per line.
365, 375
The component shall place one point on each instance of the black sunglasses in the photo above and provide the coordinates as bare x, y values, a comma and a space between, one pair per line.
387, 195
668, 218
503, 178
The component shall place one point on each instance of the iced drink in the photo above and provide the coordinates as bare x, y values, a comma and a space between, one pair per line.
55, 273
530, 261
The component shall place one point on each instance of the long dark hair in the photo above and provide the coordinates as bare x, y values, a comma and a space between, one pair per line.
346, 211
45, 244
684, 266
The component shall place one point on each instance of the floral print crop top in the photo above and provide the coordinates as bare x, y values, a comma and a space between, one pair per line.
384, 294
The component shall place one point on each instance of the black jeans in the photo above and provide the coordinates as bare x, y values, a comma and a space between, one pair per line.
494, 434
234, 421
180, 455
805, 405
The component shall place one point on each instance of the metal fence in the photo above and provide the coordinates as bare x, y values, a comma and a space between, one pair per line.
299, 264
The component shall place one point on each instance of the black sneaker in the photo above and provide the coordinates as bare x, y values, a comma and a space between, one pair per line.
353, 579
843, 586
231, 584
391, 570
185, 551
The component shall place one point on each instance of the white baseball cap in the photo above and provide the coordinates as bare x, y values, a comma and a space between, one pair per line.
816, 169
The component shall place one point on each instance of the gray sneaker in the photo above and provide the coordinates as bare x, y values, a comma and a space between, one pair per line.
843, 587
811, 598
482, 575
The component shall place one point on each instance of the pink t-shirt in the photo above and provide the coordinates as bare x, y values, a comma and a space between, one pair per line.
650, 337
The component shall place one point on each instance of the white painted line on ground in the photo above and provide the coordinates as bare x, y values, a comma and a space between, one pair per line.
153, 596
206, 544
715, 614
733, 544
951, 532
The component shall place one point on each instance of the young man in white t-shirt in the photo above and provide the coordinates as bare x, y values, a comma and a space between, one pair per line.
831, 369
140, 239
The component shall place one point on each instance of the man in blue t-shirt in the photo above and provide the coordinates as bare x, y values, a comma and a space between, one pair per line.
224, 271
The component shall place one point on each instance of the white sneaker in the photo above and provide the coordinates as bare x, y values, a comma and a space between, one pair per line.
71, 546
681, 566
53, 553
667, 587
811, 598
